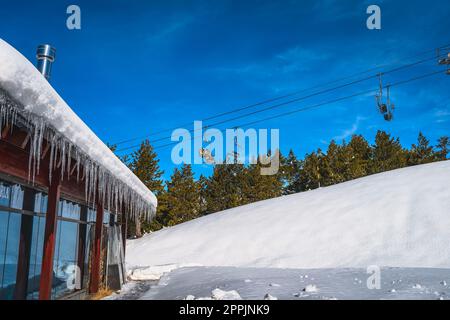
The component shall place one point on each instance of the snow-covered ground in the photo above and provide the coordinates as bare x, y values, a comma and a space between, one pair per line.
397, 219
230, 283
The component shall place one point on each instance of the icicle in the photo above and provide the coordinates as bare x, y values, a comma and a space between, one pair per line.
99, 183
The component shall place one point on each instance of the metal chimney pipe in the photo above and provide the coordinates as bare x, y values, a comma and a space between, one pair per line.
45, 56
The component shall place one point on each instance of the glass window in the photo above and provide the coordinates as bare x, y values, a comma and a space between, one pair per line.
69, 228
16, 201
90, 230
40, 203
66, 247
70, 210
37, 246
11, 196
10, 254
106, 217
91, 216
4, 216
5, 192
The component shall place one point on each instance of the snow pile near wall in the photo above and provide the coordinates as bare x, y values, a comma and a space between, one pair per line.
154, 272
27, 93
399, 218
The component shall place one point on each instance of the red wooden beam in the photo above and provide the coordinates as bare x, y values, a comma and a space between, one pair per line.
82, 228
73, 169
17, 137
54, 192
5, 131
45, 150
14, 162
26, 233
25, 141
95, 267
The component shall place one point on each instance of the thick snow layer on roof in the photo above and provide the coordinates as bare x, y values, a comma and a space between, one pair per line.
25, 84
399, 218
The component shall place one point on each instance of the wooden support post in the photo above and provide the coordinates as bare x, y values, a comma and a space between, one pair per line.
82, 227
26, 234
95, 267
54, 191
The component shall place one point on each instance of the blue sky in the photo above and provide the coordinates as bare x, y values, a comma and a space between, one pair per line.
137, 67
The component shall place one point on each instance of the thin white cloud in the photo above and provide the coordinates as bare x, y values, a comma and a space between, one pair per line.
171, 28
350, 131
293, 60
299, 59
442, 113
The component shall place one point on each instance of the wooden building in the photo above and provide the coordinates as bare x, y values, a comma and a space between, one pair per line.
65, 198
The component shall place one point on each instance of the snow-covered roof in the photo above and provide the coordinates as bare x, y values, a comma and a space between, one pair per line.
29, 94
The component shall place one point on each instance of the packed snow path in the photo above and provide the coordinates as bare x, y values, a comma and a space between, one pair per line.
217, 283
399, 218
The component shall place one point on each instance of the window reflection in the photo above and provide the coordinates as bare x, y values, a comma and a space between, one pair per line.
11, 196
73, 240
66, 248
37, 244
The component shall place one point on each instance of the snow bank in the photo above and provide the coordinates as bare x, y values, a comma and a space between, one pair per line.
399, 218
150, 273
40, 104
218, 294
153, 272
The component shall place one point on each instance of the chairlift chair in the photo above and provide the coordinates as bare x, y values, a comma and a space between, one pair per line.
445, 60
386, 109
388, 116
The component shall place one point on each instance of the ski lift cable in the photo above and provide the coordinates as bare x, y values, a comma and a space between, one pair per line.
303, 109
271, 107
444, 47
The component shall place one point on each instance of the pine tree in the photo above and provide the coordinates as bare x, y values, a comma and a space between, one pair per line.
225, 187
361, 151
257, 186
145, 165
254, 188
335, 164
203, 185
183, 195
314, 167
161, 218
388, 153
442, 148
290, 171
421, 152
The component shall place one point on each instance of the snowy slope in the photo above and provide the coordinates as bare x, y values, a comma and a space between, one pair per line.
399, 218
41, 103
